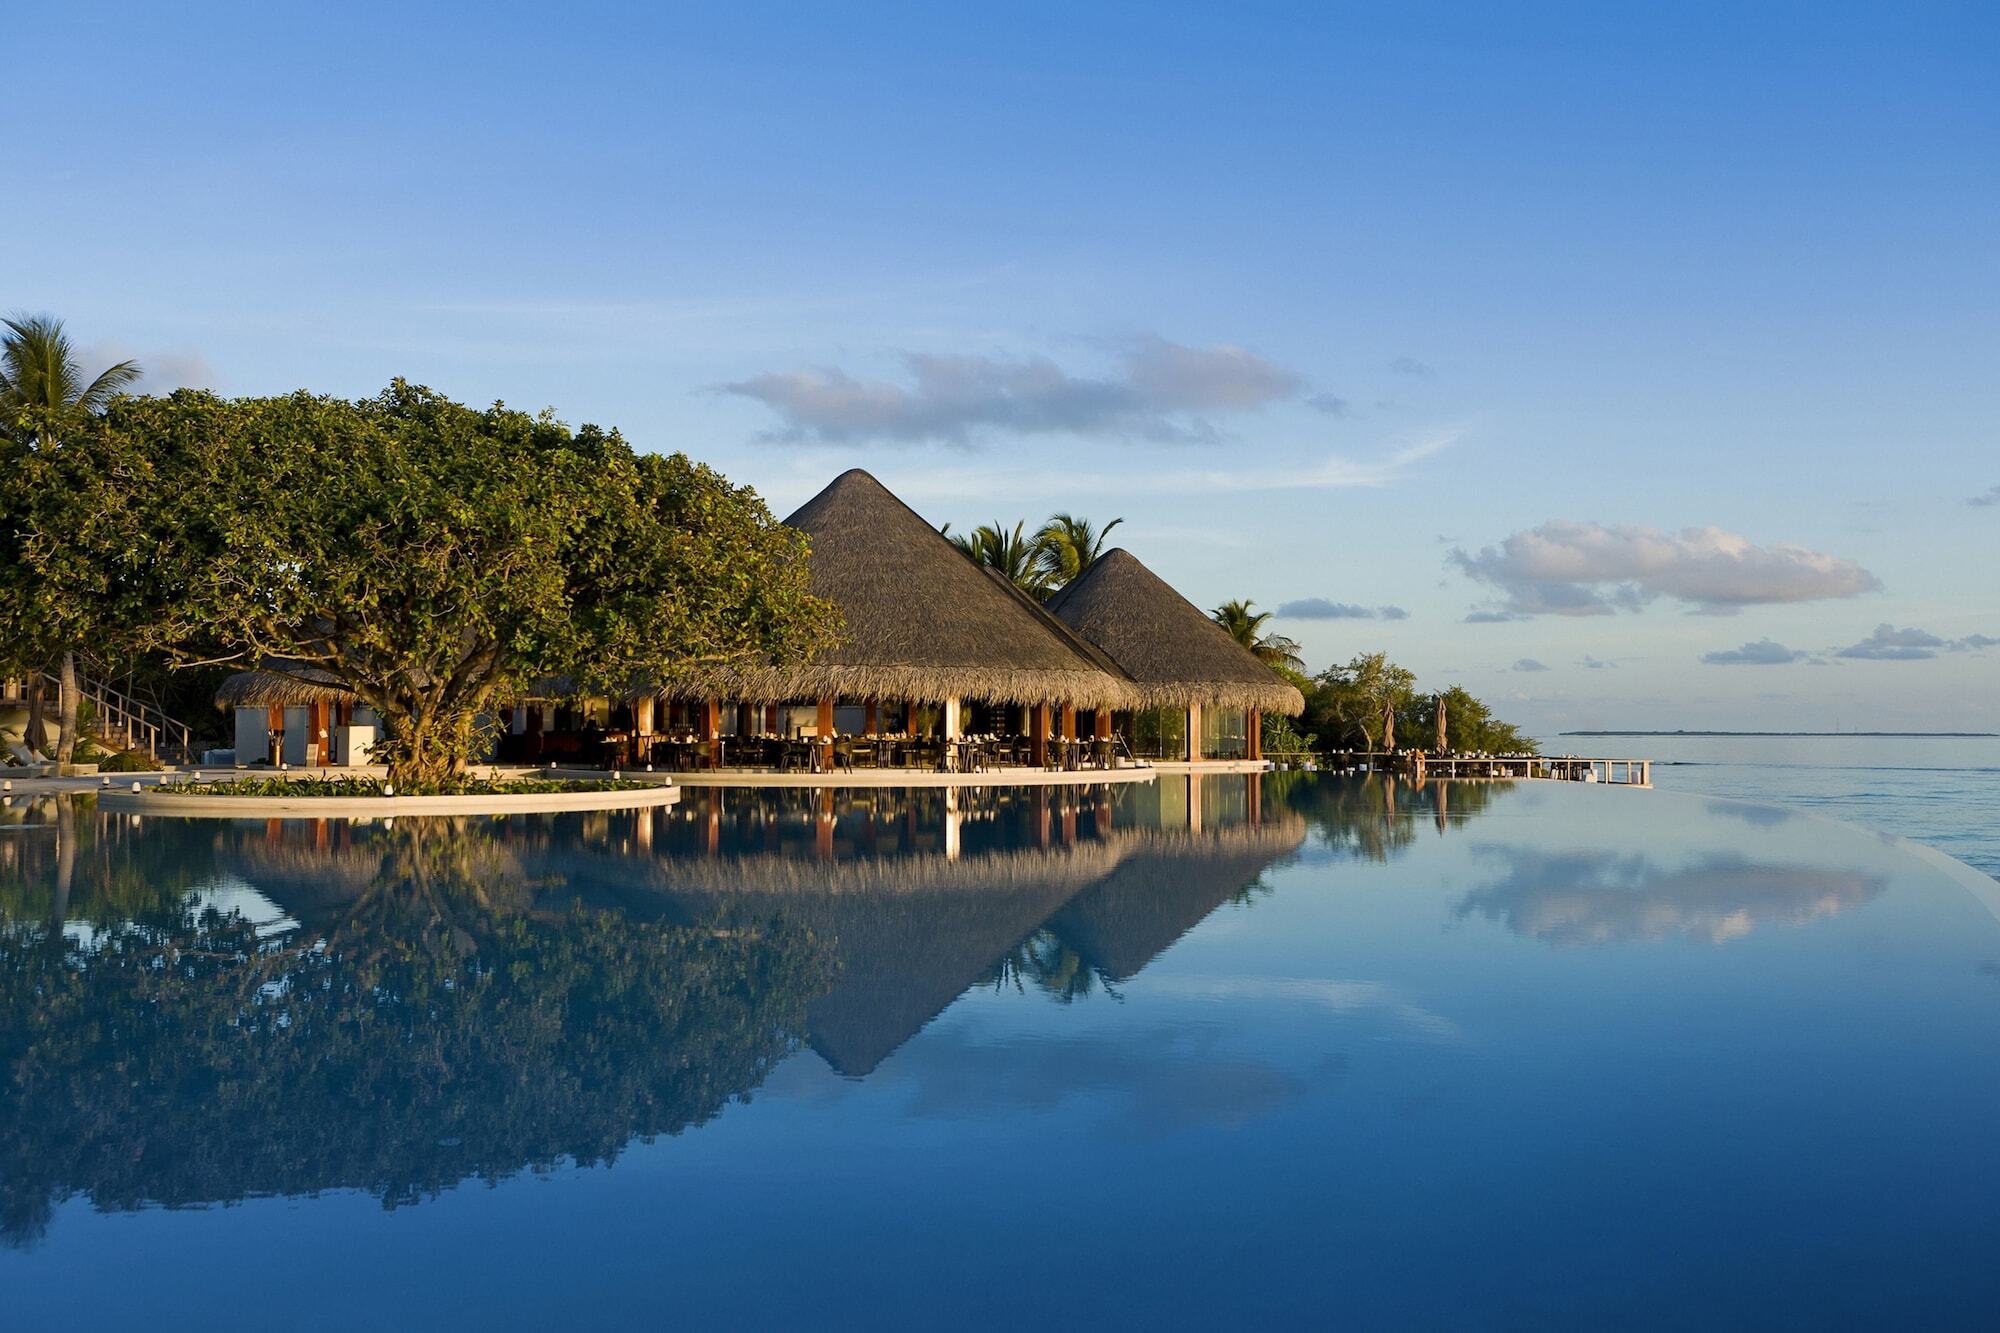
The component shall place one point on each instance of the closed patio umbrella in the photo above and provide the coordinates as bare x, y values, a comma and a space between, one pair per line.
1440, 744
1389, 725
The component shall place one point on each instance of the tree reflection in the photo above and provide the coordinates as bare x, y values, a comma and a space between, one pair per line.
433, 1031
1377, 816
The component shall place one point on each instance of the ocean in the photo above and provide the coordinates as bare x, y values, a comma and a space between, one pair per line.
1943, 791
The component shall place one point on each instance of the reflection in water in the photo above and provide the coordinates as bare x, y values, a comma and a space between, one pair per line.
1601, 897
1377, 816
435, 1030
469, 998
420, 1002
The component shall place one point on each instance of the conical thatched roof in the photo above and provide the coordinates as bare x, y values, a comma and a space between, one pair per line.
922, 621
1160, 639
290, 685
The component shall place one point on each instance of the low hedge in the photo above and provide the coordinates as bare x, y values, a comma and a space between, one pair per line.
374, 787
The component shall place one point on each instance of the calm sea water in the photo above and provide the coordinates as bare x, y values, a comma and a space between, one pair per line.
1296, 1050
1944, 791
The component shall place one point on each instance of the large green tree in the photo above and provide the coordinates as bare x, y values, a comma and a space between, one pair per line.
435, 559
1348, 703
46, 398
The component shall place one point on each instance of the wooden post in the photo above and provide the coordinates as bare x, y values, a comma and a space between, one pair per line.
274, 728
319, 728
711, 730
870, 718
1256, 734
746, 720
1038, 736
644, 709
771, 718
1194, 733
909, 717
1101, 718
823, 727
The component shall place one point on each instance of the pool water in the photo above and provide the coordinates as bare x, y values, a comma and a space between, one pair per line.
1294, 1049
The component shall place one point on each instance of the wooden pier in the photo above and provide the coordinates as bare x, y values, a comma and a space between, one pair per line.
1418, 766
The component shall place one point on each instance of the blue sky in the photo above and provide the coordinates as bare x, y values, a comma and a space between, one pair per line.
1663, 341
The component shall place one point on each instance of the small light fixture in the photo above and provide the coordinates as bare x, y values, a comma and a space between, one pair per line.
388, 790
106, 779
135, 786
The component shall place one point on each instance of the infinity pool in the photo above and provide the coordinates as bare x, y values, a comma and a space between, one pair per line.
1288, 1049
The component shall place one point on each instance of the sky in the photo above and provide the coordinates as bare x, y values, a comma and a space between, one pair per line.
1631, 365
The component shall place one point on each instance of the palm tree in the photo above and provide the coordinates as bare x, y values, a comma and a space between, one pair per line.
42, 393
1069, 546
41, 384
1014, 554
1246, 626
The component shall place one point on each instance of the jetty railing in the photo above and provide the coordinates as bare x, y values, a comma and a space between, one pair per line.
1422, 765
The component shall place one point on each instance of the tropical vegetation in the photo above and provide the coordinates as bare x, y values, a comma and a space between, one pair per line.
1040, 564
46, 618
428, 557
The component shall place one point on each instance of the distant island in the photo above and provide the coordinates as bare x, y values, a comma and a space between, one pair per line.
1892, 735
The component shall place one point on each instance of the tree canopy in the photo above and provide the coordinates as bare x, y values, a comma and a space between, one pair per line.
434, 559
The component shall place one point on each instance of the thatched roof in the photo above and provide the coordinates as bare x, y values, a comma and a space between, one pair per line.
289, 685
1163, 641
922, 621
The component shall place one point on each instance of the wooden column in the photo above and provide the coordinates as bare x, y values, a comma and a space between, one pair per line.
1193, 732
771, 718
910, 716
823, 725
645, 709
746, 720
274, 727
711, 730
1101, 719
319, 733
1038, 736
1256, 734
871, 717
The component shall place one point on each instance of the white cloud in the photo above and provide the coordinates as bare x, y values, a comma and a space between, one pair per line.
1528, 664
1158, 390
1588, 569
1764, 652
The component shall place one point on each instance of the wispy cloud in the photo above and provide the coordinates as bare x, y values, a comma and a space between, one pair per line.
1764, 652
1910, 644
1528, 664
1986, 499
1410, 366
1330, 472
1321, 608
1157, 390
1592, 569
1594, 663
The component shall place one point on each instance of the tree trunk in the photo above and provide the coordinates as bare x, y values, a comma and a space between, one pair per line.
428, 747
66, 711
36, 738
